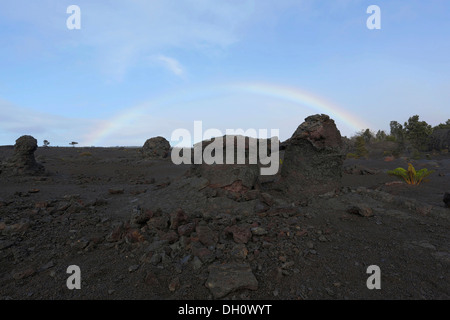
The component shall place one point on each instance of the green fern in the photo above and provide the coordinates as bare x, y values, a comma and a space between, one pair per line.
411, 176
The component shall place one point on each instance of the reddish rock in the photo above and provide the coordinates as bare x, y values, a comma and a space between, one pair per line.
161, 222
176, 218
241, 234
361, 209
133, 236
170, 236
204, 254
174, 284
186, 229
23, 274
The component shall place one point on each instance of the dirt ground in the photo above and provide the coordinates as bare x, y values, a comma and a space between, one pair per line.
114, 214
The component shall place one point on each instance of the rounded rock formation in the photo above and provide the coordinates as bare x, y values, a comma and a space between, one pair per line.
156, 148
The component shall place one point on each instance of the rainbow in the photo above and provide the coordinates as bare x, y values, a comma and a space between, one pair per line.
293, 95
307, 99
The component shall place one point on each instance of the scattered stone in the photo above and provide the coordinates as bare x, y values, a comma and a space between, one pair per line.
361, 209
161, 223
133, 268
174, 284
155, 259
239, 252
241, 233
177, 218
204, 254
140, 218
23, 274
156, 245
47, 266
186, 229
170, 236
207, 236
258, 231
196, 263
226, 278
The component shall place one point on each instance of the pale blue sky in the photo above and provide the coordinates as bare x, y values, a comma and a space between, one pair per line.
139, 69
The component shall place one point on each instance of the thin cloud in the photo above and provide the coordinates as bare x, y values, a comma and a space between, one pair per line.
172, 64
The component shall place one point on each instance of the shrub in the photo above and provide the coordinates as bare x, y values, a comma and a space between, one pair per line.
361, 150
411, 176
352, 156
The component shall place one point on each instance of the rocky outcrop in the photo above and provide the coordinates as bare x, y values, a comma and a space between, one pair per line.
156, 148
231, 174
23, 161
313, 158
439, 139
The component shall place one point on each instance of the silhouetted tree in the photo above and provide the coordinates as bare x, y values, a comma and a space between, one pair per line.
445, 125
417, 132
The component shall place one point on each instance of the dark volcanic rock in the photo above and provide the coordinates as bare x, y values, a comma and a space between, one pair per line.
313, 158
447, 199
361, 209
240, 172
439, 139
227, 278
156, 148
23, 162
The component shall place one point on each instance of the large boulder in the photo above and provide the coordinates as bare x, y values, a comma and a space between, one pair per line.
313, 158
156, 148
239, 176
23, 162
439, 139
